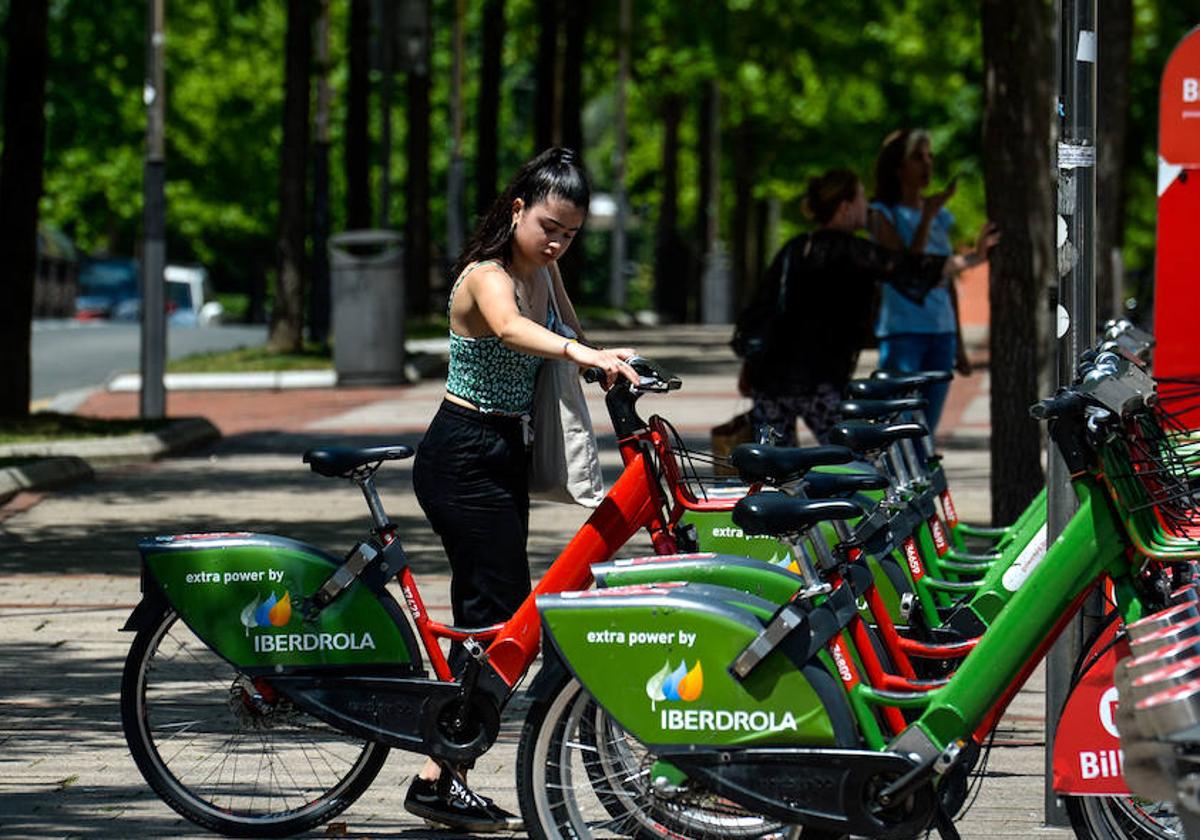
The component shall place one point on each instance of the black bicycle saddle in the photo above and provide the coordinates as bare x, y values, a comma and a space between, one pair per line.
874, 409
757, 462
929, 376
862, 436
775, 513
826, 485
335, 461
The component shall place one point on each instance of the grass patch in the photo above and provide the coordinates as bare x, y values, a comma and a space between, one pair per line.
49, 425
312, 357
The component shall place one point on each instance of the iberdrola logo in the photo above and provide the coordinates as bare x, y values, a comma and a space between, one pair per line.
273, 612
680, 684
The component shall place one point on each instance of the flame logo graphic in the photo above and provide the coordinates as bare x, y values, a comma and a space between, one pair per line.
273, 612
678, 684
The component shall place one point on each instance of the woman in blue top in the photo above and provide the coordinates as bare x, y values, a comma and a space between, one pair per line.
470, 473
926, 335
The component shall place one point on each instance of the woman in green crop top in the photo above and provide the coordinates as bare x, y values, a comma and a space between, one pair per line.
470, 473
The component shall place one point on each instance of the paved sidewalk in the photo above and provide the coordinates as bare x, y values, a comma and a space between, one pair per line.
70, 579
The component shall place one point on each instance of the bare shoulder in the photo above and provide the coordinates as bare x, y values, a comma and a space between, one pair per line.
487, 279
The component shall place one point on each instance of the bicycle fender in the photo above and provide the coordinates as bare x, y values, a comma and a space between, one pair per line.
657, 658
147, 611
247, 597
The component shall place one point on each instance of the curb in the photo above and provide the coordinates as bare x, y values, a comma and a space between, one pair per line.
417, 367
65, 462
43, 474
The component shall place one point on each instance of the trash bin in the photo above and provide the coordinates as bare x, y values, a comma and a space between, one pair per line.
367, 285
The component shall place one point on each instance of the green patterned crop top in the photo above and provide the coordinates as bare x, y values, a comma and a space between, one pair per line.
487, 374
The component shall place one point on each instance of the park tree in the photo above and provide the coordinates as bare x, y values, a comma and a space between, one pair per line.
287, 316
20, 188
417, 183
559, 99
1115, 35
1020, 199
487, 121
357, 149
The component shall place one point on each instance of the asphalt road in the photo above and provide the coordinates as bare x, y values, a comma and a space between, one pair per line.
69, 356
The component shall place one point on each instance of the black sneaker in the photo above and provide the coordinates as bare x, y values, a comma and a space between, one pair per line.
449, 802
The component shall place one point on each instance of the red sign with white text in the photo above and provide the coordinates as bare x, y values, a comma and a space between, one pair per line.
1179, 104
1087, 746
1177, 261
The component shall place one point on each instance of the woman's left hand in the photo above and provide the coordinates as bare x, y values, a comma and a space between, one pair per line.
611, 360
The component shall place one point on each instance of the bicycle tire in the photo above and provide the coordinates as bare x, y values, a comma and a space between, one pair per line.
1122, 818
603, 790
208, 695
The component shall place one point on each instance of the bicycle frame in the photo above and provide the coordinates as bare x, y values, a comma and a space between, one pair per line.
635, 501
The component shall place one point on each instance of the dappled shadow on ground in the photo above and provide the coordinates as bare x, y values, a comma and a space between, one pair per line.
243, 484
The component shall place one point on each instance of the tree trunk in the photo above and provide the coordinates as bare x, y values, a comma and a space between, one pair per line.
570, 132
416, 187
1112, 119
713, 278
671, 268
743, 232
1020, 199
547, 98
318, 310
487, 144
287, 318
20, 188
358, 100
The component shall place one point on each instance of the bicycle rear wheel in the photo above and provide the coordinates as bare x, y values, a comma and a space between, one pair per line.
1122, 818
224, 750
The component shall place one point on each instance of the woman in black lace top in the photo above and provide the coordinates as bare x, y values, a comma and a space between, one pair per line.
812, 345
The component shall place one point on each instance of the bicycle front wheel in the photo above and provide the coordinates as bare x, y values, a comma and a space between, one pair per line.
227, 752
580, 776
1122, 818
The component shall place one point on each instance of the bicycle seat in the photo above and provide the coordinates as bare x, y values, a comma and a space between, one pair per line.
823, 485
862, 436
775, 513
930, 376
758, 462
335, 461
878, 389
875, 409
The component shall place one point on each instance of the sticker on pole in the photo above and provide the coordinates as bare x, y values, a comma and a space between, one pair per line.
1062, 321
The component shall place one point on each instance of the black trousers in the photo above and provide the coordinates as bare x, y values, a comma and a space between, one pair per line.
471, 479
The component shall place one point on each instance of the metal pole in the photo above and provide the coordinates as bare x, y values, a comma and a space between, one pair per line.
153, 401
1076, 309
616, 287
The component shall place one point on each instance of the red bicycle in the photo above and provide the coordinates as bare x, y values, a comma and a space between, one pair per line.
268, 679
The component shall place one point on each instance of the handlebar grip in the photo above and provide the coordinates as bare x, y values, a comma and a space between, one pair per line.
593, 375
1057, 406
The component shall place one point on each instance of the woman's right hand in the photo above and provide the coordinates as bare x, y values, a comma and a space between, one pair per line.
989, 238
611, 360
934, 202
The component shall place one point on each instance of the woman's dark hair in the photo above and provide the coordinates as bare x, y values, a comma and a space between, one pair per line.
827, 191
555, 172
896, 147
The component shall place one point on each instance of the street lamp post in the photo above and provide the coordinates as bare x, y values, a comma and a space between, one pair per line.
154, 246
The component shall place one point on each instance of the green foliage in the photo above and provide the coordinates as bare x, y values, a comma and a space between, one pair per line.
805, 86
